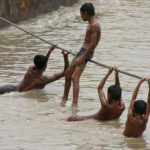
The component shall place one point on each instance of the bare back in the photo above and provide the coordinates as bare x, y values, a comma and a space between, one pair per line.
110, 111
106, 113
135, 126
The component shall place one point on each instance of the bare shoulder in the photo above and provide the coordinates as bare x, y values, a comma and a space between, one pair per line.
31, 68
29, 71
95, 28
49, 79
96, 25
106, 105
145, 118
44, 79
130, 117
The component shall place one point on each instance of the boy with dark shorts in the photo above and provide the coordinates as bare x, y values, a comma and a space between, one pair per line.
92, 38
34, 78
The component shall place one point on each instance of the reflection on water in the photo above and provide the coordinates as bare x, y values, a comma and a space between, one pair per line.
34, 120
38, 95
138, 143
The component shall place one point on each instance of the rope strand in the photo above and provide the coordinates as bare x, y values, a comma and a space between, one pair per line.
95, 62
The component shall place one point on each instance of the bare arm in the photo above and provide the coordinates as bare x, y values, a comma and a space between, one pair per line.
117, 80
148, 102
134, 96
61, 74
66, 61
50, 50
101, 85
148, 98
80, 118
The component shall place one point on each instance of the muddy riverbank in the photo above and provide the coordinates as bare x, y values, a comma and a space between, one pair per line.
18, 10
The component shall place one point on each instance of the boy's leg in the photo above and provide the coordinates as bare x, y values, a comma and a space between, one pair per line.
68, 75
66, 91
76, 77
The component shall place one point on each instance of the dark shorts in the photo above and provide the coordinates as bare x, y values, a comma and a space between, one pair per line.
73, 64
7, 89
82, 50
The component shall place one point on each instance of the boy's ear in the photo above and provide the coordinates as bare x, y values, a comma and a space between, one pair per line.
45, 67
108, 96
86, 13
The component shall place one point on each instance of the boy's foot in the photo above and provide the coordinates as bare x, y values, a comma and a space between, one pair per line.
63, 103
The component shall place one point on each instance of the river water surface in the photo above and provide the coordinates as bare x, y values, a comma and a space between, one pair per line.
34, 120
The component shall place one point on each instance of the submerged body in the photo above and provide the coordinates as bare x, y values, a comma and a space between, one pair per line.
111, 107
135, 126
138, 114
106, 113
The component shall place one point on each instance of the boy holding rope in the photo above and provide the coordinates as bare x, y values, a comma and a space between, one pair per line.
34, 78
138, 114
79, 62
112, 106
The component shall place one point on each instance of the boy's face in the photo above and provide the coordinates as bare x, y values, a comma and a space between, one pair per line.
84, 16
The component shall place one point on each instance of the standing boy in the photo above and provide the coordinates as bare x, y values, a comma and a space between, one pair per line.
138, 114
112, 106
92, 38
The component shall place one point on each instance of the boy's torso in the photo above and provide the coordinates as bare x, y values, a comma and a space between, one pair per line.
134, 127
31, 80
110, 112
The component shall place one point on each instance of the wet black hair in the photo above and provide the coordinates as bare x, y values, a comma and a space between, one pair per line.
114, 92
140, 107
40, 61
88, 8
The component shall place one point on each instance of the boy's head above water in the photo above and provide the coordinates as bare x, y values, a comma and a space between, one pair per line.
140, 107
114, 93
40, 62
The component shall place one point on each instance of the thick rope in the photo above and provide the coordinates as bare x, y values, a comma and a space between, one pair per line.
95, 62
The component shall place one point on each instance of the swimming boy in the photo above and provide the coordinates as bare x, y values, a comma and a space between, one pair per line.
78, 64
138, 114
112, 106
34, 78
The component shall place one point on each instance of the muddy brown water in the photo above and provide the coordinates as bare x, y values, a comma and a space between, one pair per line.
34, 120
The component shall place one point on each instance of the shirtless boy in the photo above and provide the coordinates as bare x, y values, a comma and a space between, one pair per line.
79, 62
138, 114
112, 106
34, 78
